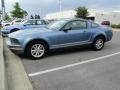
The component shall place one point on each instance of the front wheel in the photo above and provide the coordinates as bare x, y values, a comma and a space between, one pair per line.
36, 50
98, 43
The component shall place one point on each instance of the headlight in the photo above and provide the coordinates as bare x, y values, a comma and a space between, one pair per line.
4, 28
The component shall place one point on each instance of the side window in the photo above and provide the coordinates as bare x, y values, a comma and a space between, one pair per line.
94, 25
30, 22
39, 22
76, 25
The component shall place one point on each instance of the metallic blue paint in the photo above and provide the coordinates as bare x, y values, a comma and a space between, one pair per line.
60, 38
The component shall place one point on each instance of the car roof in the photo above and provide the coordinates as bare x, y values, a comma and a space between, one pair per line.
69, 19
35, 19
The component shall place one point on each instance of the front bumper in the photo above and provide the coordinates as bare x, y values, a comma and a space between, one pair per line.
17, 49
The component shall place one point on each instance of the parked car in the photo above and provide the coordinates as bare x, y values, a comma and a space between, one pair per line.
31, 23
12, 22
5, 23
106, 23
36, 43
17, 21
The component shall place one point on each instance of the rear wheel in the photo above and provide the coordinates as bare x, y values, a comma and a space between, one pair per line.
98, 43
36, 50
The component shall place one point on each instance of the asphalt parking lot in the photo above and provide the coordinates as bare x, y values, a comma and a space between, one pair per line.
77, 69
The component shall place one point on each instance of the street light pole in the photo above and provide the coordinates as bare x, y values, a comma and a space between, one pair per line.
3, 8
60, 5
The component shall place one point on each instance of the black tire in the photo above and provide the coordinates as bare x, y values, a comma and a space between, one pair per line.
14, 30
28, 50
98, 47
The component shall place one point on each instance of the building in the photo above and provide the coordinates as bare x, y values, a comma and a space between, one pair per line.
97, 15
60, 15
113, 17
71, 14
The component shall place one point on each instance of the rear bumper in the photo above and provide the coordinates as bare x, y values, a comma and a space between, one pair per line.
109, 36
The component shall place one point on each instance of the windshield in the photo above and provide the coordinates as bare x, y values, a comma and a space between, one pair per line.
57, 25
23, 22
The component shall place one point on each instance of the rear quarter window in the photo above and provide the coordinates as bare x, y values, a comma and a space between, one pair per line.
94, 25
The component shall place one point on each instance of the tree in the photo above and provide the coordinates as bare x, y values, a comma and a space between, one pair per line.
24, 13
37, 16
81, 12
31, 17
6, 17
18, 12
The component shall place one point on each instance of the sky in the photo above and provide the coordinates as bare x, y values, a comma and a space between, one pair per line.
44, 7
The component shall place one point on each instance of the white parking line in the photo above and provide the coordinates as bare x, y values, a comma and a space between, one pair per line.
72, 65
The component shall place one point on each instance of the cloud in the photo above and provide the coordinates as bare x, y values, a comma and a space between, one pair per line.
47, 1
49, 6
11, 1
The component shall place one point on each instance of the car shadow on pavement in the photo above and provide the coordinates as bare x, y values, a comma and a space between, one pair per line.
62, 51
66, 51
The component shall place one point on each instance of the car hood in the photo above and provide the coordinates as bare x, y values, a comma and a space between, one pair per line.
29, 32
11, 27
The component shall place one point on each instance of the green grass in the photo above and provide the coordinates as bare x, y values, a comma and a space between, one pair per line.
115, 26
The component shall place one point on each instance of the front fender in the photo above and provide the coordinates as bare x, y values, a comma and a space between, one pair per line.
32, 39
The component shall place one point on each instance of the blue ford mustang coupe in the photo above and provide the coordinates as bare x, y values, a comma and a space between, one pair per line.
36, 43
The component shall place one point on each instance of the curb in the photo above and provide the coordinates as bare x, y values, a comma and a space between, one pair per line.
3, 83
17, 77
117, 30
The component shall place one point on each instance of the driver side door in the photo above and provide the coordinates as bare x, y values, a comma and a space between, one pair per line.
77, 33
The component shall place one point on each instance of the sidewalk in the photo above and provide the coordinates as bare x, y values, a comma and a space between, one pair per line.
3, 83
